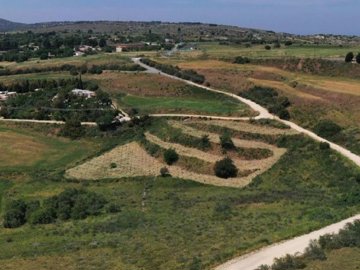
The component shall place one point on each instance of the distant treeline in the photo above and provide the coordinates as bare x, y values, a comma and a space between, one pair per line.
94, 69
190, 75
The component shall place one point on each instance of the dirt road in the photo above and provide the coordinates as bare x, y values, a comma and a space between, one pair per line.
263, 113
43, 121
268, 254
295, 245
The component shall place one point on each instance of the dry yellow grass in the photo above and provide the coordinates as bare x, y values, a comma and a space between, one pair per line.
17, 149
246, 127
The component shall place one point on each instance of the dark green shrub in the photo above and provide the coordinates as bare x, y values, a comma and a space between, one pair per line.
113, 165
205, 142
241, 60
268, 47
358, 58
226, 142
315, 252
327, 129
349, 57
225, 168
324, 146
288, 263
170, 156
42, 216
15, 214
72, 129
164, 172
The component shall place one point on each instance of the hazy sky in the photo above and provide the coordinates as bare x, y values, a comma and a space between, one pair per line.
294, 16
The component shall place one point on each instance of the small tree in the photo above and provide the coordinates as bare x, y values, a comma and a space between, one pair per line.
358, 58
225, 168
205, 142
72, 129
226, 142
164, 172
170, 156
349, 57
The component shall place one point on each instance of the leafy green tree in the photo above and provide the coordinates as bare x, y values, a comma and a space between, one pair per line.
226, 142
102, 42
349, 57
225, 168
170, 156
358, 58
72, 129
327, 129
205, 142
15, 214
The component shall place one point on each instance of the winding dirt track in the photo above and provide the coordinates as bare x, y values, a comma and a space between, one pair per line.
295, 245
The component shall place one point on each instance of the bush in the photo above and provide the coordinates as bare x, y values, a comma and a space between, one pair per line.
268, 47
164, 172
288, 263
15, 214
226, 142
14, 219
170, 156
72, 129
327, 129
315, 252
358, 58
225, 168
113, 165
241, 60
205, 142
324, 146
42, 216
349, 57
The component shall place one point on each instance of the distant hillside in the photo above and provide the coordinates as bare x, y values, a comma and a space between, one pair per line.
6, 25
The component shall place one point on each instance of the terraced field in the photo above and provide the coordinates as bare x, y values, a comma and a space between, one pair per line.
131, 160
313, 97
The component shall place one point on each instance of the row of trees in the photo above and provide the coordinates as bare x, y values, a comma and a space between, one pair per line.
269, 98
189, 74
70, 204
350, 57
73, 69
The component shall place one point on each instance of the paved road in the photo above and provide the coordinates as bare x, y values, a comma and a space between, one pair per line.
268, 254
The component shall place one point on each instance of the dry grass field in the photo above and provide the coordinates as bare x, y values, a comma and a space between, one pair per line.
18, 149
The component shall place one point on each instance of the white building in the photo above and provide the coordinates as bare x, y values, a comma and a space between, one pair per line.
83, 93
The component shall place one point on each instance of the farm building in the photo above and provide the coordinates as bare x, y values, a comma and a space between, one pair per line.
129, 47
83, 93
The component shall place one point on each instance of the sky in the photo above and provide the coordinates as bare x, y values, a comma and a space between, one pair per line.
292, 16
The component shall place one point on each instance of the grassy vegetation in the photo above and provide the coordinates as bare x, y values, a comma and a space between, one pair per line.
345, 258
148, 105
215, 50
198, 223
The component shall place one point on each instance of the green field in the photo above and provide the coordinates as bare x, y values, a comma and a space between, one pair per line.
148, 105
185, 222
214, 50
